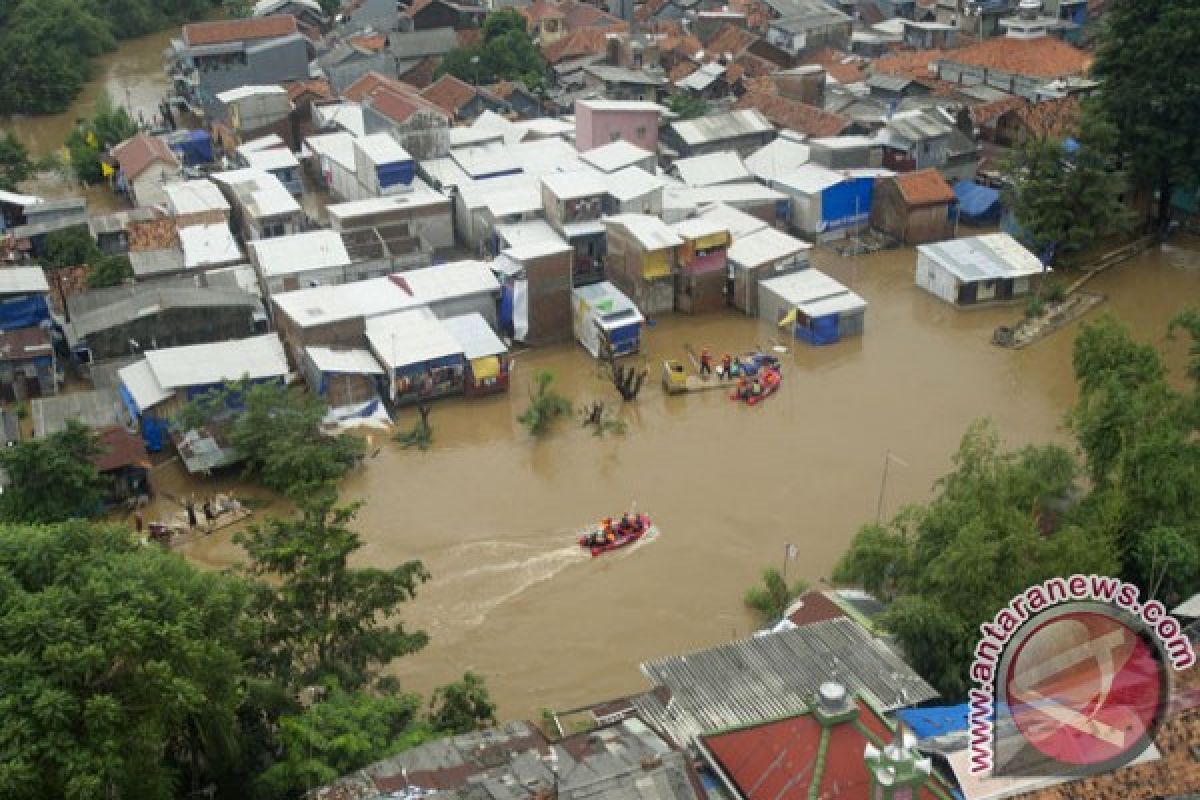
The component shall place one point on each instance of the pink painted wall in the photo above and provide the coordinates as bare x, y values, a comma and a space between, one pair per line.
596, 127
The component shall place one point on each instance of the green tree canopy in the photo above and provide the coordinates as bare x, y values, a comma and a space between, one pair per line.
109, 271
687, 106
1067, 201
53, 478
15, 165
462, 706
71, 247
773, 596
1001, 522
120, 665
1145, 63
321, 618
507, 52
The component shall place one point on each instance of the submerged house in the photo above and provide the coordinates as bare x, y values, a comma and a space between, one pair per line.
146, 164
343, 376
262, 206
700, 285
993, 268
421, 358
641, 260
486, 356
535, 268
574, 203
815, 307
606, 322
914, 207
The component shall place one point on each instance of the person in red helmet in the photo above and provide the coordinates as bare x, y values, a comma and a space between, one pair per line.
705, 363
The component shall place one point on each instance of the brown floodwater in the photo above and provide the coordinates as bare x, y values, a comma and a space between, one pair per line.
493, 513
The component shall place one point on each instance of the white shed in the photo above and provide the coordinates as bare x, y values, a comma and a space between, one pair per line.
993, 268
601, 311
817, 308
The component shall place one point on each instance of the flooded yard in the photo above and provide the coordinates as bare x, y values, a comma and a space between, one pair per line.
494, 514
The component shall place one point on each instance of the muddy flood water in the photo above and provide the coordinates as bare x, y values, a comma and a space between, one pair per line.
493, 513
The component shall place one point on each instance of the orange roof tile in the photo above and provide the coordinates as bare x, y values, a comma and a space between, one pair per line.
374, 42
367, 84
540, 10
729, 38
910, 63
1055, 118
420, 75
399, 105
585, 42
682, 70
984, 113
137, 154
797, 116
581, 15
196, 34
841, 67
153, 234
449, 94
320, 88
1047, 57
924, 187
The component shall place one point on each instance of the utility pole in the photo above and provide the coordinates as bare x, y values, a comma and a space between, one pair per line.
888, 458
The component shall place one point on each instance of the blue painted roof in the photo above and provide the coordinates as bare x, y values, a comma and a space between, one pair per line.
975, 200
934, 720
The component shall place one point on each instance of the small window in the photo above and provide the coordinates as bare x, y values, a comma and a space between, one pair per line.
614, 136
641, 132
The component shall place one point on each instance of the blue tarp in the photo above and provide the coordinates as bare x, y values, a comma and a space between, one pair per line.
506, 309
977, 203
399, 172
822, 330
625, 339
847, 203
935, 720
154, 433
23, 312
192, 147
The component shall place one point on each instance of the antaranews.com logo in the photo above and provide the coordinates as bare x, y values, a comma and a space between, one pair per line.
1072, 678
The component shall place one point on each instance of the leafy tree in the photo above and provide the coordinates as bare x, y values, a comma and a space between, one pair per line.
1139, 437
1146, 50
774, 596
121, 665
507, 52
53, 478
343, 732
687, 106
44, 50
71, 247
320, 617
15, 165
545, 404
1065, 201
1001, 522
278, 433
109, 271
461, 707
90, 140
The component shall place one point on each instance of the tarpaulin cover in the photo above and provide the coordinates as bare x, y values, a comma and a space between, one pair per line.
23, 312
154, 433
934, 721
192, 147
486, 367
977, 203
846, 203
506, 309
625, 339
820, 331
520, 310
401, 172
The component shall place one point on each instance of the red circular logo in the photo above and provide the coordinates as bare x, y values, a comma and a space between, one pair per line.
1085, 689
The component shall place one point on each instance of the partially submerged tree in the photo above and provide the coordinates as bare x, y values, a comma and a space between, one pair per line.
15, 165
545, 404
321, 618
462, 706
773, 596
53, 478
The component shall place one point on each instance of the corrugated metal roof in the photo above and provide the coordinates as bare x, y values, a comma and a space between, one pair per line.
778, 158
194, 197
650, 232
981, 258
22, 280
717, 127
353, 361
269, 159
615, 156
815, 293
616, 309
206, 245
738, 223
139, 380
810, 179
574, 185
631, 182
773, 676
243, 92
410, 337
917, 126
702, 78
763, 246
477, 338
300, 252
204, 364
699, 227
381, 148
712, 169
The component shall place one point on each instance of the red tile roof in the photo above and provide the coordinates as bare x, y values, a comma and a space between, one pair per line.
540, 10
367, 84
586, 42
984, 113
1047, 57
449, 94
139, 153
729, 38
924, 187
909, 63
581, 15
154, 234
814, 606
778, 760
398, 106
420, 75
469, 37
797, 116
238, 30
1055, 118
120, 448
318, 88
841, 67
372, 42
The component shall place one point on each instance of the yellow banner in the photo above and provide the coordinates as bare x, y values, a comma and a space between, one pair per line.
106, 170
788, 319
486, 367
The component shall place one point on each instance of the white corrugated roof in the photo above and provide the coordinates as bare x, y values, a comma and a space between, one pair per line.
353, 361
410, 337
381, 148
348, 116
615, 156
619, 105
272, 158
702, 78
322, 305
272, 198
698, 227
194, 197
216, 362
722, 126
778, 158
262, 143
651, 232
242, 92
987, 257
711, 169
138, 379
534, 230
631, 182
573, 185
456, 279
301, 252
205, 245
763, 246
23, 200
738, 223
476, 337
810, 179
750, 193
20, 280
815, 293
419, 197
613, 307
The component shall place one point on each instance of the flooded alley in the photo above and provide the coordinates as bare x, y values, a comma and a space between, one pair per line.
493, 513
